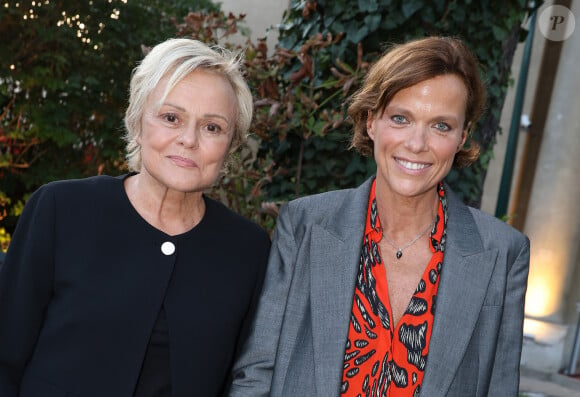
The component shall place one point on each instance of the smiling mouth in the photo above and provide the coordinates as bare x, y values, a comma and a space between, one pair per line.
412, 166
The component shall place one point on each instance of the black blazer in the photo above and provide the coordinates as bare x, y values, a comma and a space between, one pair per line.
84, 280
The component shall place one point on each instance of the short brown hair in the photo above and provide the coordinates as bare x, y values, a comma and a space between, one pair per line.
405, 65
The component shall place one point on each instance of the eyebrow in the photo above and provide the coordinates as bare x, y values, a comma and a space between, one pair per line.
210, 115
398, 109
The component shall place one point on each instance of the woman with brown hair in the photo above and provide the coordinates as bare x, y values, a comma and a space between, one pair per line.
395, 288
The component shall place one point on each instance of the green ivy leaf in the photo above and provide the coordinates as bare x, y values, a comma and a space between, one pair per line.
372, 22
410, 7
358, 35
499, 34
368, 5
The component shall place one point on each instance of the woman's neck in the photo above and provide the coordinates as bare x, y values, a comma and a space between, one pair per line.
170, 211
402, 217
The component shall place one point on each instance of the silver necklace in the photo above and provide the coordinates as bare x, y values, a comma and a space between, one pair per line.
410, 243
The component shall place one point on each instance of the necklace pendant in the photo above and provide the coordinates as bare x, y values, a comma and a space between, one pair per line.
399, 254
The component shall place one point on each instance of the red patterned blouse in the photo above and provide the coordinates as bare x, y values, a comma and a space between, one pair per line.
381, 358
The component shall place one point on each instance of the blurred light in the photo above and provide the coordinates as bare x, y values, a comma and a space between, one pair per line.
542, 297
538, 299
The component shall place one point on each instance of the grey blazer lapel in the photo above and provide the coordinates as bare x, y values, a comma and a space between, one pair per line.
334, 253
465, 276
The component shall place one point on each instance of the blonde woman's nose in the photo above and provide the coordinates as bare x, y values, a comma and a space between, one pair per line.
189, 136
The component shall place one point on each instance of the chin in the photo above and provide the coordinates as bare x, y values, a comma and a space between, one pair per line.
184, 186
411, 189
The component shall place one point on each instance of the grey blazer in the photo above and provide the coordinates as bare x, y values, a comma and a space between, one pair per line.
299, 334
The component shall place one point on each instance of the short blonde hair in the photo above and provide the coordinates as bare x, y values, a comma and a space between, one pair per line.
405, 65
176, 59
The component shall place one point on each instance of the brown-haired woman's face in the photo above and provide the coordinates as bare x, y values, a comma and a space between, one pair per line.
418, 134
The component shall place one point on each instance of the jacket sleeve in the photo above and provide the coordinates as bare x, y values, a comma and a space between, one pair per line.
26, 280
505, 371
252, 373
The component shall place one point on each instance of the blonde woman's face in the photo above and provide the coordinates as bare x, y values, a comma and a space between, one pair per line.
185, 139
417, 136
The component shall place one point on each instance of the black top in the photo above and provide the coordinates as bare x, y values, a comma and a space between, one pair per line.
155, 378
85, 278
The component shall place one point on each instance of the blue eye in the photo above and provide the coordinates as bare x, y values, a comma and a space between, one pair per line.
399, 119
443, 127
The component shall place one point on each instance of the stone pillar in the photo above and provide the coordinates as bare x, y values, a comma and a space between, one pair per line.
553, 218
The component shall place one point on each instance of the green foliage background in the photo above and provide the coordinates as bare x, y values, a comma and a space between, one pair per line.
65, 68
64, 73
314, 156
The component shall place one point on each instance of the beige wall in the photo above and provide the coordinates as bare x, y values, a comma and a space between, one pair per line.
261, 15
